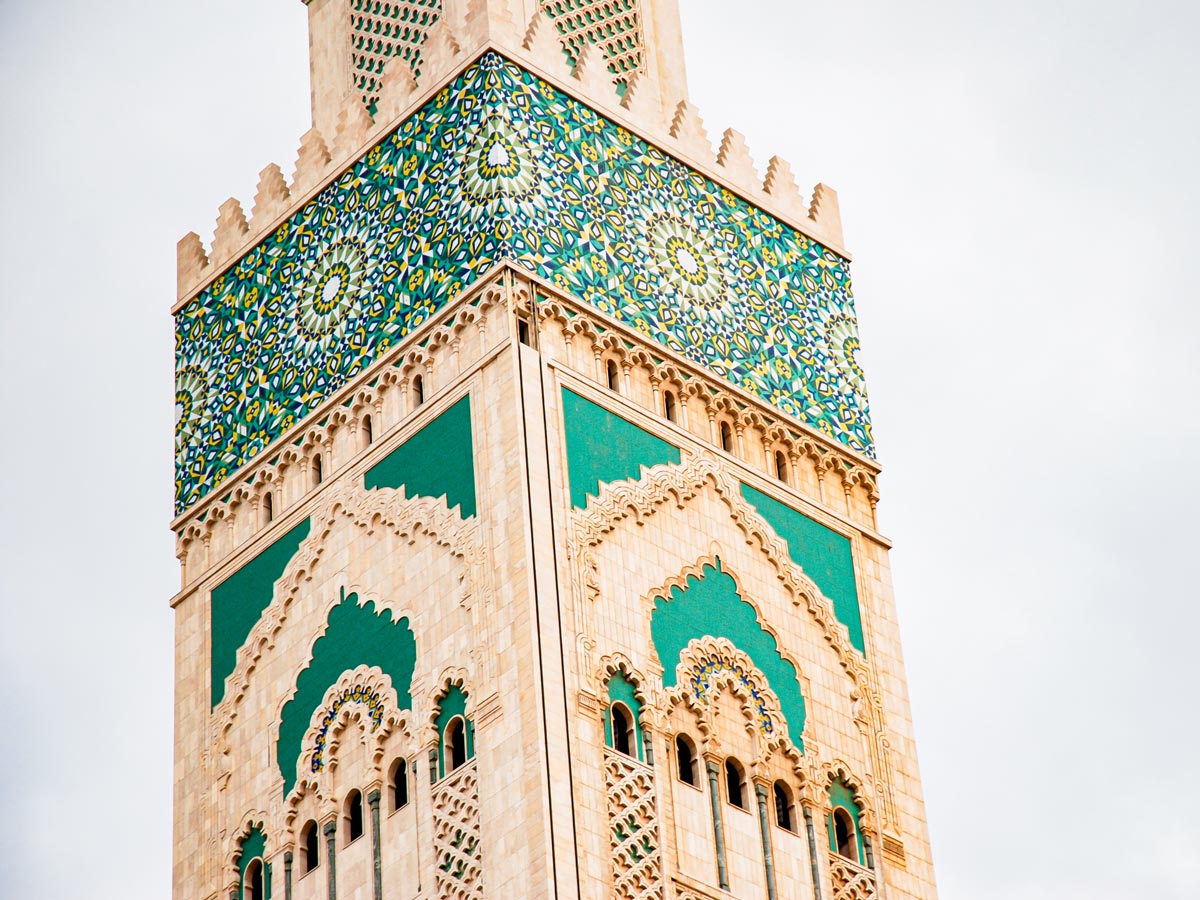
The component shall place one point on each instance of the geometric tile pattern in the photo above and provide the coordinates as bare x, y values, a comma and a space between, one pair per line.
501, 165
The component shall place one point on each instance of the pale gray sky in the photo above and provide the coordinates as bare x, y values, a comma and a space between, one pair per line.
1020, 189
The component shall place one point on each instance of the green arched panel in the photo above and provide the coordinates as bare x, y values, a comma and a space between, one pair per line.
709, 605
354, 636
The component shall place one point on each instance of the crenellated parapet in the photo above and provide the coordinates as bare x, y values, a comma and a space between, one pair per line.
366, 241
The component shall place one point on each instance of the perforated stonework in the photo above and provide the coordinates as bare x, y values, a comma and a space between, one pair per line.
633, 821
456, 835
500, 165
615, 26
851, 882
384, 31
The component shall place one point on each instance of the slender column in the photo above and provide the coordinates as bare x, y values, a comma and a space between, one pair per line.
714, 795
812, 852
330, 831
287, 875
373, 800
760, 791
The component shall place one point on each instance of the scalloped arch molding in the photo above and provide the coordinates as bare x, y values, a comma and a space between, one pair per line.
354, 636
709, 605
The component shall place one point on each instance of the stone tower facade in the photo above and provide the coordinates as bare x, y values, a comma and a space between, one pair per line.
525, 494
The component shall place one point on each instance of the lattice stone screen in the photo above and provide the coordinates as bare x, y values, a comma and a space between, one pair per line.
387, 30
456, 835
633, 828
851, 882
615, 26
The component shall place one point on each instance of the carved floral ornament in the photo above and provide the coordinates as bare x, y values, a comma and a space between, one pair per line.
413, 519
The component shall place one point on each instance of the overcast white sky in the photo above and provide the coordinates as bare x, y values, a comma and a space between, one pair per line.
1019, 187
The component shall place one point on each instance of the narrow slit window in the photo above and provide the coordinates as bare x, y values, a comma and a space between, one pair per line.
685, 758
456, 742
253, 889
783, 807
318, 472
669, 409
368, 431
781, 466
622, 730
268, 512
418, 391
524, 331
726, 437
735, 783
308, 840
354, 816
845, 834
614, 380
399, 784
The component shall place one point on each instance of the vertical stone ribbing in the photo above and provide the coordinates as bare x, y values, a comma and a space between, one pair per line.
373, 800
330, 832
760, 791
714, 794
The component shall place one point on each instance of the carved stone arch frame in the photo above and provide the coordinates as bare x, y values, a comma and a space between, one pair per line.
393, 719
450, 677
715, 556
863, 789
369, 509
249, 821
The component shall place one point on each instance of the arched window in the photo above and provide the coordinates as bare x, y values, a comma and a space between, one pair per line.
418, 391
783, 806
310, 846
368, 431
252, 887
685, 759
622, 729
456, 734
317, 473
268, 508
614, 380
669, 409
726, 437
845, 834
735, 783
456, 743
781, 466
399, 784
354, 816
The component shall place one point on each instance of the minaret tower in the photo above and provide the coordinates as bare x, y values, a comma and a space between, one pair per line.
525, 494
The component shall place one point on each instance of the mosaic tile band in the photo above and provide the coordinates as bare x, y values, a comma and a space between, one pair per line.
709, 666
357, 694
501, 165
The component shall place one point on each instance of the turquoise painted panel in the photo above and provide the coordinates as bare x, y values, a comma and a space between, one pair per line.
251, 846
354, 636
437, 461
453, 704
823, 554
238, 603
501, 165
710, 606
621, 691
603, 448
